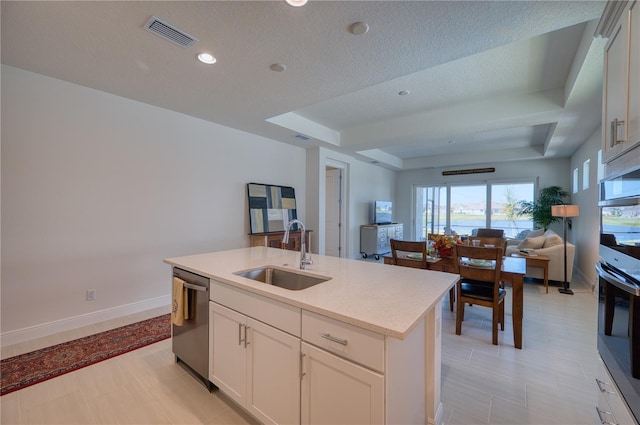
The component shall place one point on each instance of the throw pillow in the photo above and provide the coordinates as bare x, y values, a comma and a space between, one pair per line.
535, 233
532, 243
552, 240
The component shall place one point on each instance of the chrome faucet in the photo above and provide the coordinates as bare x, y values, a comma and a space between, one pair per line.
305, 259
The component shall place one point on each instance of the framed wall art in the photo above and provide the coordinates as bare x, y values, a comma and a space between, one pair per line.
271, 207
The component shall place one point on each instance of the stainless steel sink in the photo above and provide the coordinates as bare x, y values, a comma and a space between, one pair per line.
283, 278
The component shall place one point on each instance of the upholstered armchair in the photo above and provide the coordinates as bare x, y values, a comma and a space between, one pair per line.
550, 244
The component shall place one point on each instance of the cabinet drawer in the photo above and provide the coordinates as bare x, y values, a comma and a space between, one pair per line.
348, 341
277, 314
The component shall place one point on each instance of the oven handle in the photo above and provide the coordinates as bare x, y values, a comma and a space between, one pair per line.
616, 281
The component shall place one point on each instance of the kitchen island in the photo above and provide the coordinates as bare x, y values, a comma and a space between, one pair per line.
364, 346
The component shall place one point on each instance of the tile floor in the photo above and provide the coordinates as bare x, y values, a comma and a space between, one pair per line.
550, 381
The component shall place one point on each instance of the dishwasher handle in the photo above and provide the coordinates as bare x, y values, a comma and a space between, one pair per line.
196, 287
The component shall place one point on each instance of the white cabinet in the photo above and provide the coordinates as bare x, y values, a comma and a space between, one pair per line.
286, 365
256, 365
229, 369
374, 238
621, 95
634, 73
337, 391
611, 408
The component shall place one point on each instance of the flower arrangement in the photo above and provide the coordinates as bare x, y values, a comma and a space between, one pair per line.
444, 244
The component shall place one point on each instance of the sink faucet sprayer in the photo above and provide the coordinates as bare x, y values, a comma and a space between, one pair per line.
304, 258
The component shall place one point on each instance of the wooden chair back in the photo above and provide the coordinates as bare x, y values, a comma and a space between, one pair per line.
480, 270
490, 233
466, 255
401, 249
497, 242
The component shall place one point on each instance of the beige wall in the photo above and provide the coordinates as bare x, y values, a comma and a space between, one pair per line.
585, 233
97, 190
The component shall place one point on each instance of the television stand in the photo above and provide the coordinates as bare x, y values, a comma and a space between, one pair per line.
374, 238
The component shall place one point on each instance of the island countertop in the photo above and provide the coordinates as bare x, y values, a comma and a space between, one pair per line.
386, 299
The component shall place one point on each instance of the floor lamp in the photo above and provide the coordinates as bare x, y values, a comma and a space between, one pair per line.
565, 211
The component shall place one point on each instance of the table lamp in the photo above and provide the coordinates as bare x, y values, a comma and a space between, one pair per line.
565, 211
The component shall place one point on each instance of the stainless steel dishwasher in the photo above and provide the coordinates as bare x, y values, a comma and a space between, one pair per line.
191, 340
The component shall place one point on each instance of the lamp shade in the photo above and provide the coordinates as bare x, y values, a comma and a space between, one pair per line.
565, 210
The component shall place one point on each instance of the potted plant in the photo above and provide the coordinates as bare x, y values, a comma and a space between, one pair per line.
540, 209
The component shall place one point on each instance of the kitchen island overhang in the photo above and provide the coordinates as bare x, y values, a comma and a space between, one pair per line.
395, 302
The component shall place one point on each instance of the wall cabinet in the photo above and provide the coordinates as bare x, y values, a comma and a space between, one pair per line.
256, 365
374, 238
274, 240
621, 88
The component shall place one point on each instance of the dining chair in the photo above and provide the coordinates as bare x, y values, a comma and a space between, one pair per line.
409, 253
414, 254
482, 241
490, 233
479, 283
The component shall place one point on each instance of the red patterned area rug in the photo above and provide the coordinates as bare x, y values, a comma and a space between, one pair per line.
31, 368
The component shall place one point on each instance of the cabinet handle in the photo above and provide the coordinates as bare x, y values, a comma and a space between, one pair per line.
602, 421
601, 387
246, 340
302, 355
334, 339
614, 132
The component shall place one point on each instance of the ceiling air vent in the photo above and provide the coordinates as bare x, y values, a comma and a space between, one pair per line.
166, 31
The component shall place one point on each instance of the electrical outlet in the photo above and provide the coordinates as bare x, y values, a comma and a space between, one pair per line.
91, 294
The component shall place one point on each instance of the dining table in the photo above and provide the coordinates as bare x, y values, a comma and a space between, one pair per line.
513, 271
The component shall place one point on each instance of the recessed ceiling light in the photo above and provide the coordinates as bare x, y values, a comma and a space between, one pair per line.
296, 3
451, 142
403, 92
359, 28
206, 58
278, 67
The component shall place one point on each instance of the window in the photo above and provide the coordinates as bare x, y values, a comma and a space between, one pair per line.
600, 175
430, 211
575, 180
585, 174
463, 208
504, 207
468, 208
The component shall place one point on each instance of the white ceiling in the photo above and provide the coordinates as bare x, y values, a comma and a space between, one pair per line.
488, 81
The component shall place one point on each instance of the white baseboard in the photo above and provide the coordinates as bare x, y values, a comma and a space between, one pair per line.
51, 328
590, 282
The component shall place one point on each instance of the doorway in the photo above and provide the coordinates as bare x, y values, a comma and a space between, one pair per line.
333, 212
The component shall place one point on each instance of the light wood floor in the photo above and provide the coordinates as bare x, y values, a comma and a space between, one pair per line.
550, 381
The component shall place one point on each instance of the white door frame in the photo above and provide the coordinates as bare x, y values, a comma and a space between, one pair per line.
344, 201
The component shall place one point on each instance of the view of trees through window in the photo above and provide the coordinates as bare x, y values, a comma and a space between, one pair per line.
463, 208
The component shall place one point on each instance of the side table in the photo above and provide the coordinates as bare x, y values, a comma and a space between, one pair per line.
538, 261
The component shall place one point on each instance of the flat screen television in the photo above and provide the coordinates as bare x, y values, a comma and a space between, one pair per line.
382, 212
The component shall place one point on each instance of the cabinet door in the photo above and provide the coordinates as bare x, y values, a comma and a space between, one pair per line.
275, 241
228, 366
273, 368
336, 391
634, 74
615, 93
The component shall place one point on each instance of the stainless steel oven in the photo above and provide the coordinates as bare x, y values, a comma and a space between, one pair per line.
619, 284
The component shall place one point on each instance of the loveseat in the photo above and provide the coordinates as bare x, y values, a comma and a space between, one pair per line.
546, 243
